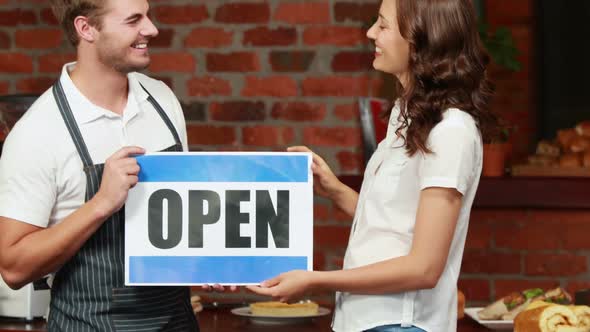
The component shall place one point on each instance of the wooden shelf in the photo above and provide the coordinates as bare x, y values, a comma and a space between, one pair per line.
522, 192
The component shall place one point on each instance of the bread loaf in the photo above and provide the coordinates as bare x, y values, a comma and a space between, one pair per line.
582, 312
571, 160
583, 128
580, 144
586, 161
546, 148
565, 138
540, 160
549, 318
460, 304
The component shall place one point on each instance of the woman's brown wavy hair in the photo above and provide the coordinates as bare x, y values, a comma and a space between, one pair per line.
447, 69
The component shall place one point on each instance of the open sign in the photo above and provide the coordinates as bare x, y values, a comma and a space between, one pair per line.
227, 218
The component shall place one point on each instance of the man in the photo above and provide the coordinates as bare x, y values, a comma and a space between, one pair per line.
68, 165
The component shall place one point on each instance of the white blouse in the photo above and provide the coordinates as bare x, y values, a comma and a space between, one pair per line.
383, 225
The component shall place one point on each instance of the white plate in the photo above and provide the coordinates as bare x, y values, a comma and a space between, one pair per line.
504, 325
257, 319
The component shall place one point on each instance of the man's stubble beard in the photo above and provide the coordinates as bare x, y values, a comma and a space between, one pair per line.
116, 58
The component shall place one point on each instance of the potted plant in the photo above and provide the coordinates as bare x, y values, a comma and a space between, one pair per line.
502, 49
496, 152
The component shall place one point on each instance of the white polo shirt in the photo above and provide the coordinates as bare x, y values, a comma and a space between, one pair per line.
383, 225
41, 174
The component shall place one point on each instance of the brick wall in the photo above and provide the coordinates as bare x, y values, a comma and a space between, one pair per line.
262, 75
253, 75
510, 250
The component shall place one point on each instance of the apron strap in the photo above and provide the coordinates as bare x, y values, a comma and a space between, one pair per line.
163, 115
70, 121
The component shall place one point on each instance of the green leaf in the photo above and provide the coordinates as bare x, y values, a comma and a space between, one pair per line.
500, 45
534, 292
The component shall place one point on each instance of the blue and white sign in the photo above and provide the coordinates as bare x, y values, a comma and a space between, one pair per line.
218, 218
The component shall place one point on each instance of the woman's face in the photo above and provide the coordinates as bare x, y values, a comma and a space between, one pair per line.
392, 51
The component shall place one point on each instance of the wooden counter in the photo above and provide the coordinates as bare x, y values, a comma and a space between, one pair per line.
222, 320
521, 192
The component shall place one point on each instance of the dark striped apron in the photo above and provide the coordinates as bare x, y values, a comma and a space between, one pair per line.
88, 292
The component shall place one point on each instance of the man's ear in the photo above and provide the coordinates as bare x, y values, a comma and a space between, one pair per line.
85, 31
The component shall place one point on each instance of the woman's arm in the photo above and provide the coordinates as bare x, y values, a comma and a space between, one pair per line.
436, 219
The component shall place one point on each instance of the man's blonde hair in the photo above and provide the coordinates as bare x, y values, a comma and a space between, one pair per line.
67, 10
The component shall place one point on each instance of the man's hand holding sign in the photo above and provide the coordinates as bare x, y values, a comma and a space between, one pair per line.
219, 218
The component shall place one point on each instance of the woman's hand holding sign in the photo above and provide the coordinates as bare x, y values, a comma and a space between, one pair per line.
326, 184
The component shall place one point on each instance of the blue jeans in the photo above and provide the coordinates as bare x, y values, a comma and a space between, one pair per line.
394, 328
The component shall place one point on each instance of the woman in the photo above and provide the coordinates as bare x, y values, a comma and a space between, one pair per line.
410, 218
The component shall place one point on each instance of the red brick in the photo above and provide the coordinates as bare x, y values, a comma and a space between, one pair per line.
14, 17
509, 12
347, 112
15, 63
210, 135
577, 285
558, 265
356, 12
299, 111
4, 87
531, 236
263, 36
209, 38
275, 86
330, 236
321, 212
334, 35
319, 261
504, 287
177, 62
208, 86
233, 62
291, 61
38, 38
499, 216
5, 40
166, 79
268, 136
34, 85
303, 13
187, 14
575, 235
475, 289
243, 13
339, 215
53, 63
479, 237
194, 111
376, 85
348, 137
350, 161
164, 38
335, 86
48, 17
237, 111
337, 262
352, 61
560, 216
487, 262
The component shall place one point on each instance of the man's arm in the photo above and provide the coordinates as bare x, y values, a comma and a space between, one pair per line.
29, 252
